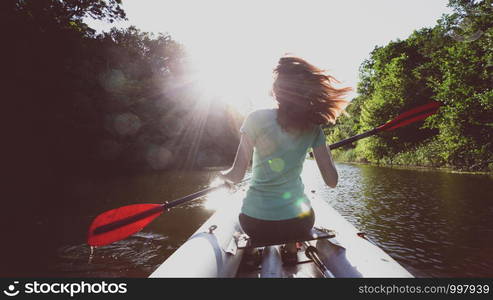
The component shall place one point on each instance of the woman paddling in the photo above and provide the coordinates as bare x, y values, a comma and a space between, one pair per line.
275, 207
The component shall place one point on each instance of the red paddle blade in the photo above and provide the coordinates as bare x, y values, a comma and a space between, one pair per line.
411, 116
117, 224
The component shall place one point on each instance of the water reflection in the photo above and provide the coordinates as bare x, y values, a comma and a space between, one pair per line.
141, 253
217, 198
82, 199
434, 223
135, 256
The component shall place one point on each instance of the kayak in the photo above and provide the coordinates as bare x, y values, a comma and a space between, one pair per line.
219, 248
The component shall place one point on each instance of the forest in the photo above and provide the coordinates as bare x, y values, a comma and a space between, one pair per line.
78, 101
85, 107
451, 63
117, 101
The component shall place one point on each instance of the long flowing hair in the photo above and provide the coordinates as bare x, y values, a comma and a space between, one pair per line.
305, 95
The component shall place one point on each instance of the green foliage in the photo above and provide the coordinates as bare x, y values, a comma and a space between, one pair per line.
78, 101
348, 155
63, 12
451, 63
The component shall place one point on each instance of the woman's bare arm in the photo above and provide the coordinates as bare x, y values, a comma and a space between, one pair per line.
242, 160
325, 163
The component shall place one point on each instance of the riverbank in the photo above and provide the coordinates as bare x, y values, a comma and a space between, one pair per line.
350, 157
400, 162
418, 168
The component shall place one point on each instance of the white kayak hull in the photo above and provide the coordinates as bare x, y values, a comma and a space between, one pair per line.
211, 251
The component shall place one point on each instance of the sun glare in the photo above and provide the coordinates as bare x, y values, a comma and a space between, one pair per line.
238, 83
236, 44
223, 196
216, 198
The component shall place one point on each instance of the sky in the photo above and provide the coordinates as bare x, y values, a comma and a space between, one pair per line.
234, 42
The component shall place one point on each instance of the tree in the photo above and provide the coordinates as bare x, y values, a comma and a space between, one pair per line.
451, 63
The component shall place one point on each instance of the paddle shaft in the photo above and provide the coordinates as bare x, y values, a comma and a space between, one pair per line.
354, 138
406, 118
193, 196
168, 205
155, 210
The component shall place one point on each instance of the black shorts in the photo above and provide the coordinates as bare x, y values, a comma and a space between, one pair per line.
267, 231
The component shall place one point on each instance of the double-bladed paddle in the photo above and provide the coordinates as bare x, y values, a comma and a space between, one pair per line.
119, 223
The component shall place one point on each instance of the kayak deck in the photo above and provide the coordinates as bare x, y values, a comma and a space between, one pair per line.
265, 259
213, 251
257, 266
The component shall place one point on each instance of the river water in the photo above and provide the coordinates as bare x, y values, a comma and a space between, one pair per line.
435, 223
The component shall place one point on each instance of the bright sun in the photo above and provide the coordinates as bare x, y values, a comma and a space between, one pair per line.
241, 83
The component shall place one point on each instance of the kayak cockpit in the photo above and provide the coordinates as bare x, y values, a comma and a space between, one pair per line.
219, 248
265, 259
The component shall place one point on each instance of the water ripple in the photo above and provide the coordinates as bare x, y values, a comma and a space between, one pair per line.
132, 257
436, 224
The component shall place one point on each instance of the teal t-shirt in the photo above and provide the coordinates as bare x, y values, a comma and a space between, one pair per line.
276, 191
